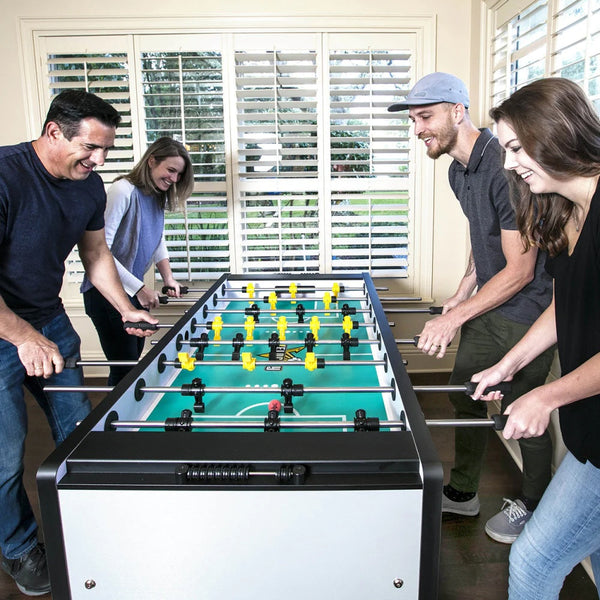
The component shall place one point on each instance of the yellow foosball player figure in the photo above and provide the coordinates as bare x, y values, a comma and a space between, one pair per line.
347, 324
327, 301
248, 361
293, 289
250, 290
217, 325
187, 362
249, 327
273, 300
281, 327
315, 326
310, 362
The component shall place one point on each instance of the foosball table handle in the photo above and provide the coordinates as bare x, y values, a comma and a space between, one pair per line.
499, 421
504, 387
71, 362
183, 289
143, 325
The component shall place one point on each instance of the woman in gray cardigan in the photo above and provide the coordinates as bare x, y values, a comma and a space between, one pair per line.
134, 225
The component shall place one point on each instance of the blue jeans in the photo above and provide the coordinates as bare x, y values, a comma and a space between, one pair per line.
564, 529
18, 528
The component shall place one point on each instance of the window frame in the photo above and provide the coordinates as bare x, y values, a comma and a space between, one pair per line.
502, 14
33, 32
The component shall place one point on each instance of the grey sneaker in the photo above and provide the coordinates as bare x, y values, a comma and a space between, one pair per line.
468, 508
30, 572
506, 526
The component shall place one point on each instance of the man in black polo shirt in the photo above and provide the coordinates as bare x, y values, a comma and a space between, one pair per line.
502, 293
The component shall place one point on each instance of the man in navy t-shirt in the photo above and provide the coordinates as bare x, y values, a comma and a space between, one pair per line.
50, 200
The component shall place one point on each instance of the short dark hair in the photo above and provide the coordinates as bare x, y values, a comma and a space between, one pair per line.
70, 107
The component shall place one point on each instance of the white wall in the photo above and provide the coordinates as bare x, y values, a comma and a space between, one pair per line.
457, 44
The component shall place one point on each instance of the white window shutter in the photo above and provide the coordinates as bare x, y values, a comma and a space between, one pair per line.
100, 66
182, 94
370, 204
546, 39
298, 165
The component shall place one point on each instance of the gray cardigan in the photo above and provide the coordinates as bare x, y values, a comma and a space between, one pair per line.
122, 229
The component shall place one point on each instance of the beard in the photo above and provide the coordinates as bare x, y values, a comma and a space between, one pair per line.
445, 140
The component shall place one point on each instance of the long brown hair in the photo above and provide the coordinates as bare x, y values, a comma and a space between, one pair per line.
558, 127
141, 177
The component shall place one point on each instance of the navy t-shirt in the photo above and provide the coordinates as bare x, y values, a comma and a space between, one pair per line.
41, 219
577, 310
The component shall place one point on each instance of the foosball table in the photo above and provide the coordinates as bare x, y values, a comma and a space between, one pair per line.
269, 445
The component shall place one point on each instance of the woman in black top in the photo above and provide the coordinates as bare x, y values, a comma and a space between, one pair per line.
550, 133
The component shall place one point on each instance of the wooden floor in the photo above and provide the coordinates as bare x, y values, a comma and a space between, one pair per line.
472, 565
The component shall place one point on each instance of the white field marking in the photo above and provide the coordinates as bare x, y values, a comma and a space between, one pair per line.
241, 412
265, 385
258, 404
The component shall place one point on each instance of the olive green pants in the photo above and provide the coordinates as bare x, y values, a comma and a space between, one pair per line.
484, 341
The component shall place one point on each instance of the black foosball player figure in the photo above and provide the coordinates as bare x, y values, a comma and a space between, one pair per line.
238, 343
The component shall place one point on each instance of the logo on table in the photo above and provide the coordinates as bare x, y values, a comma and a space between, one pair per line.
282, 353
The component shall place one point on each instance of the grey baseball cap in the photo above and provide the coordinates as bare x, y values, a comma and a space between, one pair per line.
432, 89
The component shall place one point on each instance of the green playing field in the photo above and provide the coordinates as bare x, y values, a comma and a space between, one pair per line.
291, 355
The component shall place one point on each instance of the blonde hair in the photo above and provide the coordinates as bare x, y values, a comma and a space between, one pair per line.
141, 176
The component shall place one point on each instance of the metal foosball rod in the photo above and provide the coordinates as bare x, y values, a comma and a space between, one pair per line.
72, 364
286, 311
282, 363
230, 363
411, 341
195, 341
266, 300
173, 300
383, 299
468, 388
495, 421
431, 310
300, 289
144, 325
226, 389
208, 325
184, 289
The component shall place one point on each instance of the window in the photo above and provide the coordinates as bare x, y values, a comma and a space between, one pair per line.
576, 52
559, 38
298, 165
182, 97
276, 132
